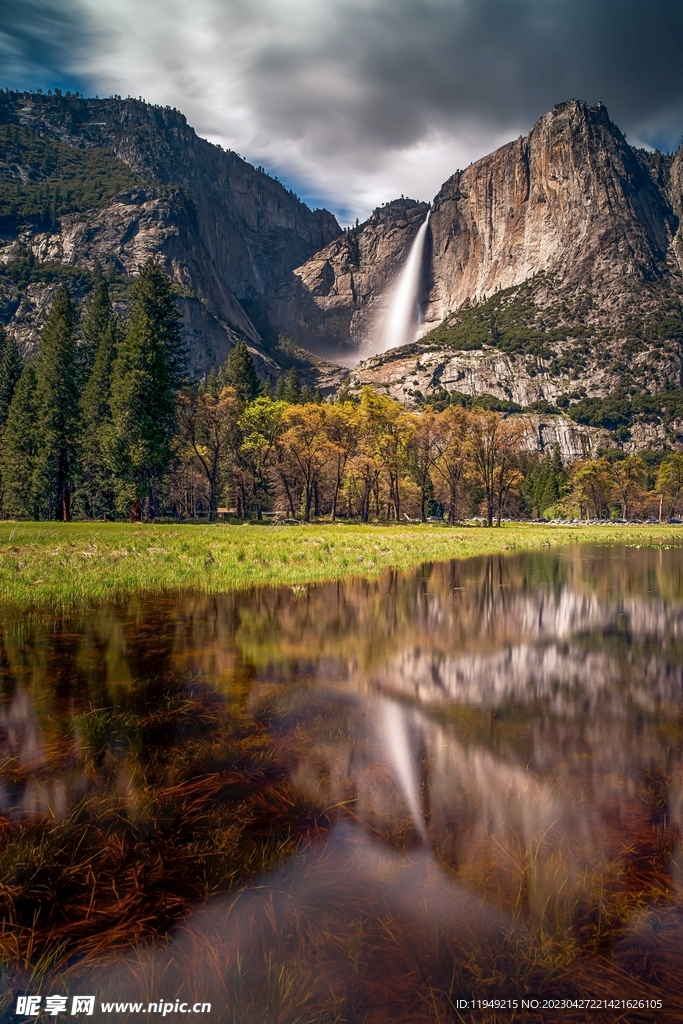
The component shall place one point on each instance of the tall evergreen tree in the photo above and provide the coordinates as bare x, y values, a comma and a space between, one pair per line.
57, 411
97, 489
210, 384
239, 372
292, 389
99, 336
11, 366
147, 371
95, 320
19, 449
544, 485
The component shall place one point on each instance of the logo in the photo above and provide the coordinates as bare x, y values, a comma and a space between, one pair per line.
29, 1006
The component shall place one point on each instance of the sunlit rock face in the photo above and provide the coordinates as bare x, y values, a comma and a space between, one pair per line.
135, 225
572, 199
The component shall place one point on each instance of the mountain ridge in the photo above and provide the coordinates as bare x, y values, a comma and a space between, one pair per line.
222, 228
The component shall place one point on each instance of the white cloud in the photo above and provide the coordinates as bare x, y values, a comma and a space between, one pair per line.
357, 101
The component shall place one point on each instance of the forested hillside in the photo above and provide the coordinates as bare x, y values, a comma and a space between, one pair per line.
41, 180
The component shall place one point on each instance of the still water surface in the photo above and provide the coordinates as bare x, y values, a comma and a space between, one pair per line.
364, 801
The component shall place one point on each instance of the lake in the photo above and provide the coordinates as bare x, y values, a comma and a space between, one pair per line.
452, 794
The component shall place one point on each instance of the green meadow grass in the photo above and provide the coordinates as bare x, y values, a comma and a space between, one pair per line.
69, 564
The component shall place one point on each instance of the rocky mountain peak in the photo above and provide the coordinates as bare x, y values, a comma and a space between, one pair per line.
572, 198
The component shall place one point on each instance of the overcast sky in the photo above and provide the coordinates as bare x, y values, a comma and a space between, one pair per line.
355, 102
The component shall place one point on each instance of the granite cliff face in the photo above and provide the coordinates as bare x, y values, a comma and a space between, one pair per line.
572, 199
335, 300
553, 267
222, 228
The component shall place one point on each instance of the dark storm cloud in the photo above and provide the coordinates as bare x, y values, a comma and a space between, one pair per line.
493, 63
356, 101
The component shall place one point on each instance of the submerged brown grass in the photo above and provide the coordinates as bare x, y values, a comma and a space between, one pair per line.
346, 932
130, 860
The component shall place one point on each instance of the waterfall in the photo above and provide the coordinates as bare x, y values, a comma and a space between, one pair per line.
402, 322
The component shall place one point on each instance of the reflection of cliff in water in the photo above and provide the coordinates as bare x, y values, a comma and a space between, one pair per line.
504, 732
586, 642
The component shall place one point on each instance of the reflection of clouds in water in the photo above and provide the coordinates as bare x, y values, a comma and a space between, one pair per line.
478, 804
350, 925
550, 821
543, 842
519, 723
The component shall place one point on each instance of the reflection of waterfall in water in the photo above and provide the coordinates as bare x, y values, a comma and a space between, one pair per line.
394, 728
402, 321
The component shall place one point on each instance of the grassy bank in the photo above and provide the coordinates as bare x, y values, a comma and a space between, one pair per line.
65, 564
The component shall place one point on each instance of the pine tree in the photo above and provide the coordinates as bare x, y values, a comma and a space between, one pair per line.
292, 389
238, 372
57, 411
210, 383
544, 485
96, 317
558, 467
100, 335
97, 489
344, 394
153, 295
19, 449
147, 371
11, 366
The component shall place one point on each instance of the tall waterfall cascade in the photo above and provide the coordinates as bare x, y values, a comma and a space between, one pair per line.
403, 320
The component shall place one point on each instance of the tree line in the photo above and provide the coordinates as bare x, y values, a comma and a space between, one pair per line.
89, 423
102, 422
